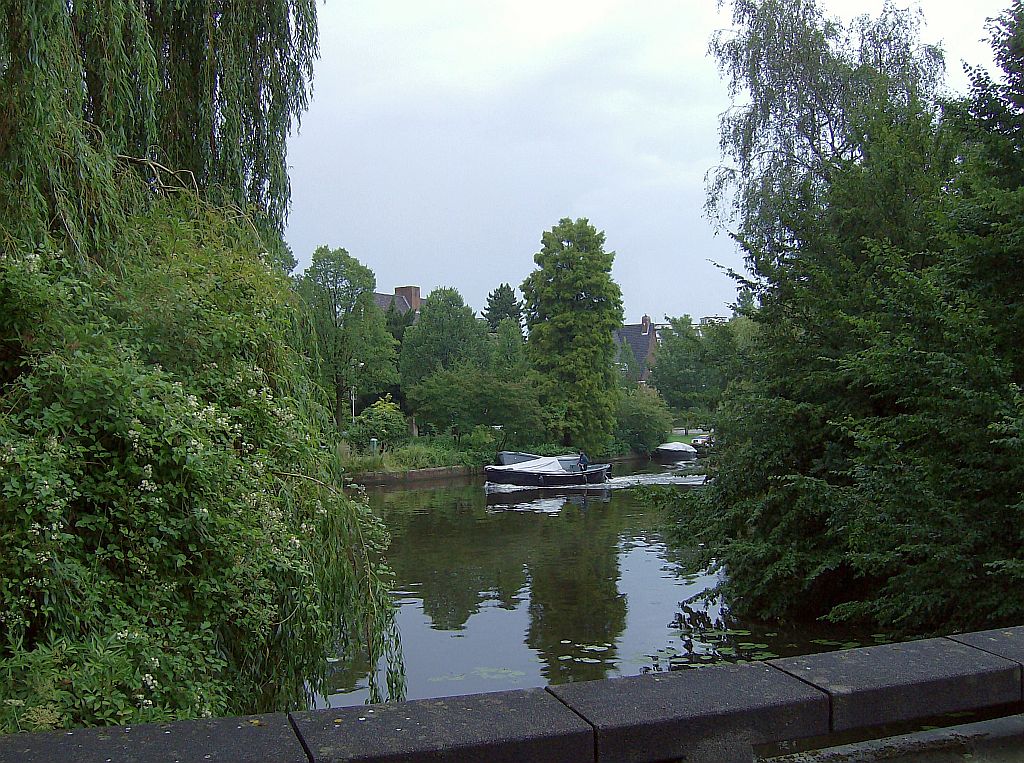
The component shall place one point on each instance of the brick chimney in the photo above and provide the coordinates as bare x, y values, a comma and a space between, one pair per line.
411, 294
645, 322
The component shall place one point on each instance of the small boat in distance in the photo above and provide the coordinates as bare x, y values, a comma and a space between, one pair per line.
675, 451
544, 471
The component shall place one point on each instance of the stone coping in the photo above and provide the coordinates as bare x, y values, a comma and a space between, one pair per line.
706, 715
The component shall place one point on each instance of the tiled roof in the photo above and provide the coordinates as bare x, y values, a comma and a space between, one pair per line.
640, 343
384, 302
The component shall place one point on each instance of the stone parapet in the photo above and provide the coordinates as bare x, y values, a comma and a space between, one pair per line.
714, 714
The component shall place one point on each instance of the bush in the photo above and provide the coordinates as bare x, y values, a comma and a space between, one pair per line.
172, 543
642, 421
383, 421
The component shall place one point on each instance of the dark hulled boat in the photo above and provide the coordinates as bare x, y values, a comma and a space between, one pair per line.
544, 471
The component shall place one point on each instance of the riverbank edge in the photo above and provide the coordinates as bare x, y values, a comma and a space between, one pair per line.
707, 715
415, 475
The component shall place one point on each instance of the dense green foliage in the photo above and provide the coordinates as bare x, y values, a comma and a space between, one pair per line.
496, 390
356, 350
572, 308
869, 460
642, 420
172, 542
679, 371
503, 305
446, 334
693, 366
468, 395
173, 546
383, 421
397, 321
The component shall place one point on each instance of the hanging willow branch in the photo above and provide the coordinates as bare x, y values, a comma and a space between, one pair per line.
211, 88
156, 168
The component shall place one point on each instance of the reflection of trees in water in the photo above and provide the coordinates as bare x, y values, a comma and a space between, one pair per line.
574, 595
352, 669
700, 619
461, 555
449, 550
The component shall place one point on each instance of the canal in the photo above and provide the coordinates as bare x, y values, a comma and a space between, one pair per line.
521, 588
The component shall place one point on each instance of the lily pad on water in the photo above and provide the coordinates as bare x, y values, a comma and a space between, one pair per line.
449, 677
498, 672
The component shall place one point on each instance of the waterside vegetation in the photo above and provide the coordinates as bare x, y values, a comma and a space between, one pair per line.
869, 447
173, 541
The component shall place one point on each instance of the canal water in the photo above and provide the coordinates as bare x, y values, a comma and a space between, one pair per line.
514, 588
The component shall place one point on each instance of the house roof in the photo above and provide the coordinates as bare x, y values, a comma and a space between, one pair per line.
642, 344
384, 302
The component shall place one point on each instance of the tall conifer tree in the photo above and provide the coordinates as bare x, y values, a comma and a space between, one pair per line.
572, 308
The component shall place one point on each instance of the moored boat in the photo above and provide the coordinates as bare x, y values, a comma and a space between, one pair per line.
545, 471
675, 451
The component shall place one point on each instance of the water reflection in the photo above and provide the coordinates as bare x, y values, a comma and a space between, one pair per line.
516, 588
545, 501
511, 588
575, 605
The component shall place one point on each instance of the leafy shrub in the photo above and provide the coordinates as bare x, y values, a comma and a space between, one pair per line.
384, 421
642, 420
173, 545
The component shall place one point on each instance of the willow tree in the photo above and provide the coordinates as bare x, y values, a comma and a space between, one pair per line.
572, 309
196, 94
799, 80
172, 542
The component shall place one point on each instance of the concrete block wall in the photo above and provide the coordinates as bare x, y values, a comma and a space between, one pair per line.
710, 715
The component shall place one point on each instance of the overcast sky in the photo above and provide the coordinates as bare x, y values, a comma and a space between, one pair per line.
445, 136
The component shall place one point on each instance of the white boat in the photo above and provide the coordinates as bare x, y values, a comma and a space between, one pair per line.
675, 451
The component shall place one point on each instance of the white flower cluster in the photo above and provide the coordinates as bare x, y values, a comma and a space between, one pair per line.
284, 415
31, 262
